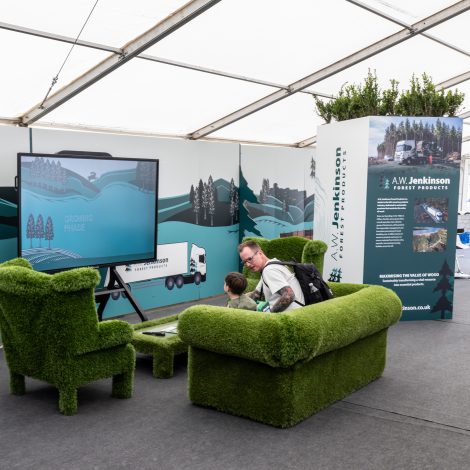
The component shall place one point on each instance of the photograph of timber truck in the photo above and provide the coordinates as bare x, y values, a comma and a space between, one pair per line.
431, 210
435, 214
417, 152
177, 263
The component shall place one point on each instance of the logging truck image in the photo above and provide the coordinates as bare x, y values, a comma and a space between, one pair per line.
417, 152
434, 213
403, 150
177, 263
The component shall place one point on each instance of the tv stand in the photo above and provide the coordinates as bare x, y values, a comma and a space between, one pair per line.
116, 284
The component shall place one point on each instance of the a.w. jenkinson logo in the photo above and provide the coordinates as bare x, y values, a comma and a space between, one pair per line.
420, 183
384, 182
339, 192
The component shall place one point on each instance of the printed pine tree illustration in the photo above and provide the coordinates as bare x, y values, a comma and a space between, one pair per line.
30, 230
49, 235
247, 224
205, 199
312, 168
387, 183
444, 285
39, 229
196, 201
233, 201
211, 199
265, 191
200, 190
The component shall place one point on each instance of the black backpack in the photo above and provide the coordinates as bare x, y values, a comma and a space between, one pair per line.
314, 288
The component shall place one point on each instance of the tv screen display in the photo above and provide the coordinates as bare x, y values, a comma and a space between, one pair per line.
86, 211
8, 223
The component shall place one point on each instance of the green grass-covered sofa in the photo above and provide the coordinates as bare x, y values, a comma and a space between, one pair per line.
299, 248
50, 332
281, 368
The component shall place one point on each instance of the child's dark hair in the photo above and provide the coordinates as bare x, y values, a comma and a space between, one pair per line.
236, 282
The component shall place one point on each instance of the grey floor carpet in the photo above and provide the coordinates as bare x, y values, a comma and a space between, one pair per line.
417, 416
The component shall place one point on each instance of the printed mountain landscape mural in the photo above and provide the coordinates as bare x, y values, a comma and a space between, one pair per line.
275, 211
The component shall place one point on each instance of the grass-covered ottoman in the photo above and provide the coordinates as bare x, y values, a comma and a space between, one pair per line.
281, 368
162, 348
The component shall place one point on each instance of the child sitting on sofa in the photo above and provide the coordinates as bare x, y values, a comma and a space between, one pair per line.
235, 285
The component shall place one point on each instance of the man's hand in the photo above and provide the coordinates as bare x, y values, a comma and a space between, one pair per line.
287, 297
255, 295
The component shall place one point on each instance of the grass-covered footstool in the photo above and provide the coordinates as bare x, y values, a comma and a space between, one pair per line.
162, 348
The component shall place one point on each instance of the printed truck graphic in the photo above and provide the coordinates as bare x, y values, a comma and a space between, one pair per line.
178, 263
413, 152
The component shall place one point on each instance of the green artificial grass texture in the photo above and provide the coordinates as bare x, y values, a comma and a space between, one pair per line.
162, 348
282, 397
282, 339
301, 249
51, 332
281, 368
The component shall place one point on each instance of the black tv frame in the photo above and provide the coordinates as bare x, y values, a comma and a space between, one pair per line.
101, 295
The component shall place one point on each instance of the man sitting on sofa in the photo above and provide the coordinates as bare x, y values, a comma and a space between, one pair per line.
278, 284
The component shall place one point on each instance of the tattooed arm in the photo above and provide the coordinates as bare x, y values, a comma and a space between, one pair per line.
287, 297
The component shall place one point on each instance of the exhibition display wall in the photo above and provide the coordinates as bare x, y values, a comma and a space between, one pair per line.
199, 205
386, 205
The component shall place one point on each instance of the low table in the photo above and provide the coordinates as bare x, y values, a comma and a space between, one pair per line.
162, 348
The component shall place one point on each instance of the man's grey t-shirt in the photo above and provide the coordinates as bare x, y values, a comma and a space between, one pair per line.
277, 276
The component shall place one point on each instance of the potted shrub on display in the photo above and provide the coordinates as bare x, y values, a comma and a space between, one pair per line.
388, 167
422, 99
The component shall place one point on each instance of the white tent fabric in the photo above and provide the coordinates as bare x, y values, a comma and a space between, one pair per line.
273, 42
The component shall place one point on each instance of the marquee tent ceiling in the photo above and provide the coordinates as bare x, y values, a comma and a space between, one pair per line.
226, 69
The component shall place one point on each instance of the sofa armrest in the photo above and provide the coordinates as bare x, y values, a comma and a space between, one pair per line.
241, 333
113, 333
340, 321
281, 340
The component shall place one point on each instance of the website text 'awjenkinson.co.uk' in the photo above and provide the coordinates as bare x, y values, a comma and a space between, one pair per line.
417, 307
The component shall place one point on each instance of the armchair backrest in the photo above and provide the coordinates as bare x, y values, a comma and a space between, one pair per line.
46, 317
288, 248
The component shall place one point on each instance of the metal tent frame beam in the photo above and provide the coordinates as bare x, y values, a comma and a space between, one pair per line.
373, 49
161, 60
132, 49
406, 25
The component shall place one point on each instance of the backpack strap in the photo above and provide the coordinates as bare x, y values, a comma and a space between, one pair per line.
282, 263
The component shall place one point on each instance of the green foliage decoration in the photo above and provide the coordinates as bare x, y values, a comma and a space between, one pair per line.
367, 99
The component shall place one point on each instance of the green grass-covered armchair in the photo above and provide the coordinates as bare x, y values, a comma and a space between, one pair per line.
281, 368
288, 248
50, 332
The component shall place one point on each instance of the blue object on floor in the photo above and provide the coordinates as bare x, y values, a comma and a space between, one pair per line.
465, 237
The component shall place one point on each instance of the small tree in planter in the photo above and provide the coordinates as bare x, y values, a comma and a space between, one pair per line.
422, 99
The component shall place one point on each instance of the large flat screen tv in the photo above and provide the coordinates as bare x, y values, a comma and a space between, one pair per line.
86, 211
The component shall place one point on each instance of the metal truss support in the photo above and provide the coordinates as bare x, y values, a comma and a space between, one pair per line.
373, 49
132, 49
